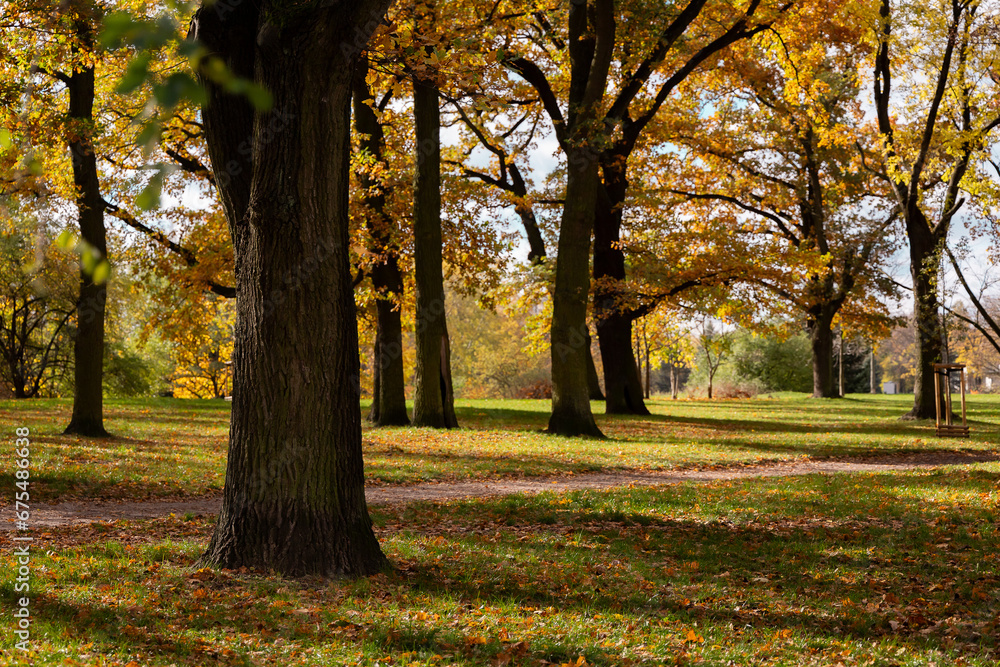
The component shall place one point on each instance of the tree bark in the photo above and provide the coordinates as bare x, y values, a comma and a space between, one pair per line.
571, 413
649, 373
88, 345
872, 387
593, 380
294, 494
623, 391
434, 398
590, 53
840, 364
821, 342
926, 320
389, 399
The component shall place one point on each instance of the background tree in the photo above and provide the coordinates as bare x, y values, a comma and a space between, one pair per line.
51, 52
434, 395
389, 394
713, 349
558, 66
781, 121
36, 309
934, 128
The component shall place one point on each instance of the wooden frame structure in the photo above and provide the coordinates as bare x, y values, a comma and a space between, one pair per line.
948, 428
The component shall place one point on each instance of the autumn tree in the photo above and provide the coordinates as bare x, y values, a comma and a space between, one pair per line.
664, 339
773, 151
53, 52
599, 133
713, 347
509, 134
934, 129
691, 36
434, 394
440, 60
389, 395
294, 497
36, 309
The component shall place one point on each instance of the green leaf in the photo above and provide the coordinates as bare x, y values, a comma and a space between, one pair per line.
259, 96
135, 74
101, 272
150, 135
66, 240
116, 29
179, 86
149, 198
89, 258
5, 138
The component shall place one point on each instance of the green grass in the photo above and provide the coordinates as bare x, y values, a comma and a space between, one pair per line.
887, 570
168, 447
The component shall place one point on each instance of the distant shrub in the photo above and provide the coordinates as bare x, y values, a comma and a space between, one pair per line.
537, 389
729, 389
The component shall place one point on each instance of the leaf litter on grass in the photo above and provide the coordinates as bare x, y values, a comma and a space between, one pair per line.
865, 569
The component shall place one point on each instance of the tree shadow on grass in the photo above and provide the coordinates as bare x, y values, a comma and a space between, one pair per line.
848, 603
107, 631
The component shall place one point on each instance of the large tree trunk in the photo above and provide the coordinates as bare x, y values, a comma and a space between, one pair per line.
927, 323
623, 391
571, 414
389, 399
821, 341
88, 346
294, 498
434, 398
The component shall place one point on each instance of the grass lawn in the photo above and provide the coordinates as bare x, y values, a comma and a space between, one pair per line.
172, 447
888, 570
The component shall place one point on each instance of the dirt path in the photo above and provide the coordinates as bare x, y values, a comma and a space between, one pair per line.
75, 513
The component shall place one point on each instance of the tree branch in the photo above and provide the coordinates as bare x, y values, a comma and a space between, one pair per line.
185, 254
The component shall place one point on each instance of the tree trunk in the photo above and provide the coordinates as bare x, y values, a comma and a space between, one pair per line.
872, 386
840, 363
571, 414
623, 390
821, 341
294, 498
622, 384
389, 397
88, 345
593, 381
434, 399
649, 373
673, 382
927, 323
